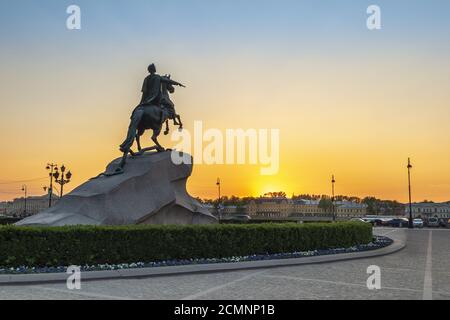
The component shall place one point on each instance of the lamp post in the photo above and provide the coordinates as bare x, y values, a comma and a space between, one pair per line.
52, 168
333, 181
219, 199
410, 224
65, 178
24, 189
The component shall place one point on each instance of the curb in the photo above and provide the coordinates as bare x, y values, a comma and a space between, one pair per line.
24, 279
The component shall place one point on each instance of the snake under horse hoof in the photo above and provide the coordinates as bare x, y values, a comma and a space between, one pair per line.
120, 168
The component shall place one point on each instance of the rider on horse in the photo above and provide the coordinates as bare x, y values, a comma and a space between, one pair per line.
151, 95
151, 89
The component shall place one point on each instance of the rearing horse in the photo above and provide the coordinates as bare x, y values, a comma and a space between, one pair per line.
151, 117
169, 110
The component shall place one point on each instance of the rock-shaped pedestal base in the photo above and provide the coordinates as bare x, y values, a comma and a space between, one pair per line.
152, 190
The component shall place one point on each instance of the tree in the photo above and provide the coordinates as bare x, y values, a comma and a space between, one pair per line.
371, 203
306, 197
279, 194
199, 200
385, 207
326, 204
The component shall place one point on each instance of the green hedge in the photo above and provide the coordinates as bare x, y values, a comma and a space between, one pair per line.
81, 245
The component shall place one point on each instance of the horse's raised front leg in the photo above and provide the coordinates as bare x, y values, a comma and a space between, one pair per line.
155, 135
166, 132
180, 124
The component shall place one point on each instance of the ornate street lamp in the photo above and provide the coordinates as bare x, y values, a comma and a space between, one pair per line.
65, 178
52, 168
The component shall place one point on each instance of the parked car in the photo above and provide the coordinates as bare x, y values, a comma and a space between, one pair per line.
433, 223
385, 222
442, 223
398, 223
380, 222
240, 218
359, 220
374, 221
418, 223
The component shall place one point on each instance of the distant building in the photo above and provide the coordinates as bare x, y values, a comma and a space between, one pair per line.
426, 210
348, 209
283, 208
35, 204
3, 206
270, 208
307, 208
227, 211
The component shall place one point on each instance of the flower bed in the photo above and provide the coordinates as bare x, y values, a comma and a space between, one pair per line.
378, 242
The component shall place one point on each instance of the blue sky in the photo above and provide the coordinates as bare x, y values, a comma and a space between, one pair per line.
202, 25
163, 31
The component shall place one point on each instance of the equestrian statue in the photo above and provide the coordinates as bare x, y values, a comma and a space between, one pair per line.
154, 110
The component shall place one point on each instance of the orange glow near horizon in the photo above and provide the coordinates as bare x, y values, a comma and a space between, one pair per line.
340, 118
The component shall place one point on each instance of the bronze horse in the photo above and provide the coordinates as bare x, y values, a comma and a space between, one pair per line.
153, 117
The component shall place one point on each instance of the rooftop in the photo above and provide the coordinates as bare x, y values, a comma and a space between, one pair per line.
431, 204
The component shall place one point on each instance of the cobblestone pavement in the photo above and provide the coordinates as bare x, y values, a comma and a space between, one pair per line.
420, 271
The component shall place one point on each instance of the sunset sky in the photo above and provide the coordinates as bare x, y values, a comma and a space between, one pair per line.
348, 101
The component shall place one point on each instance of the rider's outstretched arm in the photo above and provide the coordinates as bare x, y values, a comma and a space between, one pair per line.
170, 81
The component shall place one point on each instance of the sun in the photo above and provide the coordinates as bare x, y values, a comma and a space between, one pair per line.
262, 188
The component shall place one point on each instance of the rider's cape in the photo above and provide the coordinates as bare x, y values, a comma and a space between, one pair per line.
151, 90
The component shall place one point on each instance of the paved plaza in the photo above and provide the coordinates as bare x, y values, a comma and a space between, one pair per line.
420, 271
